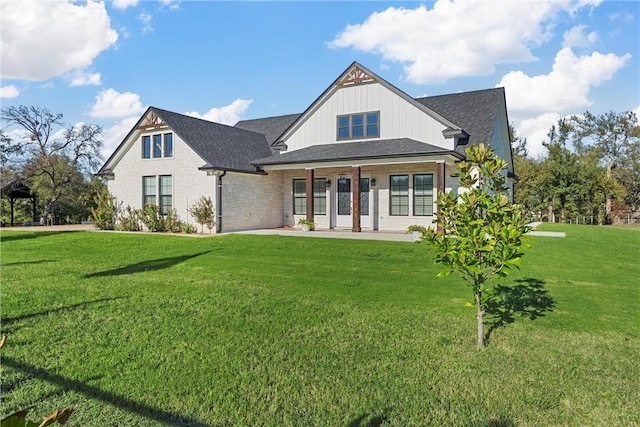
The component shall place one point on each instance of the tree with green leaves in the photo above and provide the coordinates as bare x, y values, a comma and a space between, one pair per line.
614, 136
479, 232
54, 152
203, 212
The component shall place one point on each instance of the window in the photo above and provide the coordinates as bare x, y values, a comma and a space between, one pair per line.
319, 196
146, 147
364, 196
148, 190
299, 197
166, 190
162, 146
423, 195
363, 125
168, 144
157, 146
399, 195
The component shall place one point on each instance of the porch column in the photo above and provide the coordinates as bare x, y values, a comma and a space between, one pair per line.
355, 179
309, 191
440, 179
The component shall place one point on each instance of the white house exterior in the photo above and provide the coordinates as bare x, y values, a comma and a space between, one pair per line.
363, 156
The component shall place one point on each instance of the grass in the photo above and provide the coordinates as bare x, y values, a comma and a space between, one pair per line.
271, 330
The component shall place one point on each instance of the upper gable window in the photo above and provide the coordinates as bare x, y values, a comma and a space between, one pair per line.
362, 125
157, 146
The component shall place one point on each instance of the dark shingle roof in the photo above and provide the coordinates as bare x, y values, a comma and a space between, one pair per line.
377, 149
222, 147
270, 127
475, 112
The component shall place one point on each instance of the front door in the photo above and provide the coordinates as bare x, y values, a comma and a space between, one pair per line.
344, 203
344, 219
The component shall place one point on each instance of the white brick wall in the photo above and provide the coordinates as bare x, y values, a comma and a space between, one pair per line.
189, 184
378, 198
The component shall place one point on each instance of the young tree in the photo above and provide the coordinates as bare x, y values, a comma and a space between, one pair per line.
202, 211
614, 136
46, 142
480, 232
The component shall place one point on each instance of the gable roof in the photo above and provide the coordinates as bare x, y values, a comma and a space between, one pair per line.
375, 149
357, 73
476, 112
270, 127
220, 146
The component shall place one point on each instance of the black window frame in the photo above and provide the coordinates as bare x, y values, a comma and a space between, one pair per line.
396, 200
157, 145
422, 196
358, 126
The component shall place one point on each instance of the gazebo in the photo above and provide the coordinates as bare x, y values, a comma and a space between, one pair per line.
18, 189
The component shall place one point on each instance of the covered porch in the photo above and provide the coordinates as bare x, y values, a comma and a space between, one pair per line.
370, 192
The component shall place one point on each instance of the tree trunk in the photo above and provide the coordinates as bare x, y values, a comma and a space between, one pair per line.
550, 216
480, 319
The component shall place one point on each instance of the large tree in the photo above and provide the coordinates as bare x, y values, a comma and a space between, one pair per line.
614, 136
53, 151
479, 234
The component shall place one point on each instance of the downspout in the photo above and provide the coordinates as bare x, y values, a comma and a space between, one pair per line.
219, 202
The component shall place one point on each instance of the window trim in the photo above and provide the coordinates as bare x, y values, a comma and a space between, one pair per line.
426, 195
164, 141
365, 125
319, 193
164, 207
393, 197
151, 179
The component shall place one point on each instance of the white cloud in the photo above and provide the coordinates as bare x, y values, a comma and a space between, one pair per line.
111, 103
114, 135
566, 87
44, 39
535, 131
145, 20
171, 4
9, 92
576, 37
82, 78
227, 115
123, 4
456, 38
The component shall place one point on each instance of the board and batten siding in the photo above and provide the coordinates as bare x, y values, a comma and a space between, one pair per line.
398, 118
189, 183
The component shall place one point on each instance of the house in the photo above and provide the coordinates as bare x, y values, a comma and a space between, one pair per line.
363, 156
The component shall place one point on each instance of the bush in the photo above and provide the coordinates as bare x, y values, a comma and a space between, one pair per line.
104, 214
188, 228
128, 220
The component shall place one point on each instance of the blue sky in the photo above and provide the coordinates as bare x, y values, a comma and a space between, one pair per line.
104, 63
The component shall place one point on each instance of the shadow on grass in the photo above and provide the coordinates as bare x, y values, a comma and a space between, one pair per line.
38, 261
7, 321
528, 299
366, 420
142, 266
159, 415
23, 235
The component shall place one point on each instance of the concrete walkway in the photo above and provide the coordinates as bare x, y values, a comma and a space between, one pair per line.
394, 236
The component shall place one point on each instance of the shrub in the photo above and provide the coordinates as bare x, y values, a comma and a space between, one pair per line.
203, 212
188, 228
128, 220
104, 214
308, 222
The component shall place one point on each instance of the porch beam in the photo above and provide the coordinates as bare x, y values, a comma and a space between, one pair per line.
355, 179
309, 193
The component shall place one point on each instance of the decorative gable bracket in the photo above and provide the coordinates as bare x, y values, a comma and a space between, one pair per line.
355, 75
151, 121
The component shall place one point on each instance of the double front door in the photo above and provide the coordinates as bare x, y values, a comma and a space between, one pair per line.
344, 203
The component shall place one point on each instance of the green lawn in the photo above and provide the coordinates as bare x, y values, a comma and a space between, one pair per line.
141, 329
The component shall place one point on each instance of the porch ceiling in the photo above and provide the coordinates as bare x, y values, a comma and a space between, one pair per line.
360, 150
